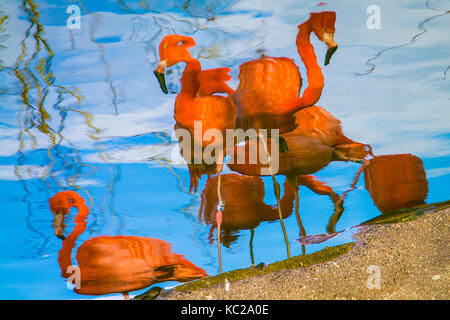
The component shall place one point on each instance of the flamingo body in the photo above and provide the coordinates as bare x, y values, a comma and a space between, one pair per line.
306, 155
115, 264
110, 264
269, 88
396, 181
245, 207
214, 112
197, 103
244, 197
318, 123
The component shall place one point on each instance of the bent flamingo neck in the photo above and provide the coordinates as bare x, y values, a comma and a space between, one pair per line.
65, 254
305, 49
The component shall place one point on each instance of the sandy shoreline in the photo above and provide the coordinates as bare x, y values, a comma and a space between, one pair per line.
412, 259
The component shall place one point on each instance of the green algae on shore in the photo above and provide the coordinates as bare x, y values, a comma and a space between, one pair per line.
327, 254
407, 214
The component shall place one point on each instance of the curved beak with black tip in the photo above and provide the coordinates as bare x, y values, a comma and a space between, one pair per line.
330, 52
159, 73
58, 223
332, 46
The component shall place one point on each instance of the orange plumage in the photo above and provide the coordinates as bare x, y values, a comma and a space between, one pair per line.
318, 123
396, 181
267, 95
197, 102
116, 264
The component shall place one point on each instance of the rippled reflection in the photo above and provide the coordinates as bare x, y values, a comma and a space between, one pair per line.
244, 206
114, 264
396, 181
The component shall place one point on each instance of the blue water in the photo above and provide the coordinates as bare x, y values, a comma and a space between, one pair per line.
110, 128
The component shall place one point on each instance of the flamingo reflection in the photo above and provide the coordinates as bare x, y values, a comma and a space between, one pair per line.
210, 82
316, 122
395, 181
245, 208
267, 95
115, 264
197, 105
317, 141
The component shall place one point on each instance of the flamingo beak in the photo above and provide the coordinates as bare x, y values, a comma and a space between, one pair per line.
332, 46
159, 73
58, 223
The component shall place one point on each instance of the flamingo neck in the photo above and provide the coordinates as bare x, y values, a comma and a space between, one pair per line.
189, 79
314, 73
65, 254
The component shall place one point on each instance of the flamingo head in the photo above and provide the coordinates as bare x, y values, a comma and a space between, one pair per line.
322, 24
63, 201
172, 50
60, 205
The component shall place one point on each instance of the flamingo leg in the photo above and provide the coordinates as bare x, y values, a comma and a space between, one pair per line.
219, 222
322, 188
276, 188
358, 174
220, 206
252, 234
338, 210
293, 182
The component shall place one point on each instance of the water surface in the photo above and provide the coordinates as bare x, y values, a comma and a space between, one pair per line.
81, 110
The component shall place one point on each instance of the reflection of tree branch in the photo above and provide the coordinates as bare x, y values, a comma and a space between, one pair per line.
93, 27
445, 73
208, 10
421, 27
3, 22
144, 4
428, 4
33, 71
